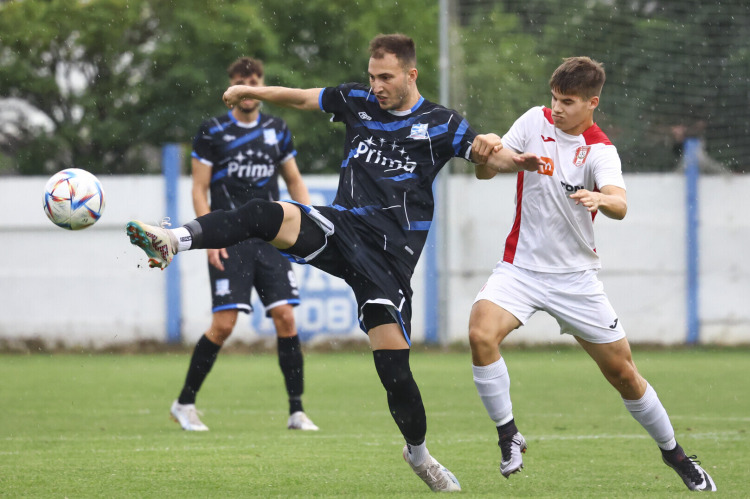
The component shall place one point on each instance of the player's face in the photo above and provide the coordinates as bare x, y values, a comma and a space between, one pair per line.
392, 85
248, 105
571, 113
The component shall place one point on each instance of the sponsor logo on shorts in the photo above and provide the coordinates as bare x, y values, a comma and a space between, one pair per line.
222, 287
613, 326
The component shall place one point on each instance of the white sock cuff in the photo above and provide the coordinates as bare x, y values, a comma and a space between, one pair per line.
184, 238
418, 453
644, 403
494, 370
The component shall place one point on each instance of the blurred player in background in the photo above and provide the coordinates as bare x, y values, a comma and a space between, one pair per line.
550, 262
237, 157
373, 234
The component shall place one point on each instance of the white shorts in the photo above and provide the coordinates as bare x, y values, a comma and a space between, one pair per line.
575, 299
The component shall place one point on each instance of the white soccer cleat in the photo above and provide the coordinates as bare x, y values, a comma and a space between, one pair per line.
187, 416
437, 477
300, 421
159, 243
512, 449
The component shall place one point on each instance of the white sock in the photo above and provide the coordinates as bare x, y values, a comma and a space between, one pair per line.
418, 453
493, 385
184, 238
651, 414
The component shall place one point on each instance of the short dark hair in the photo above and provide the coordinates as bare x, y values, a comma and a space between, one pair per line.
580, 76
245, 66
401, 46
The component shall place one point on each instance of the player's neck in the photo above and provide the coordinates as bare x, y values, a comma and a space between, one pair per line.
581, 127
410, 102
244, 117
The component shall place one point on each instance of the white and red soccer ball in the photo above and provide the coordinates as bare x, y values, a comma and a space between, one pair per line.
73, 199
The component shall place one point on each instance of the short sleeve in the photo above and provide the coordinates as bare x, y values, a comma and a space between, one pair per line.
202, 150
608, 168
518, 135
333, 100
463, 138
286, 144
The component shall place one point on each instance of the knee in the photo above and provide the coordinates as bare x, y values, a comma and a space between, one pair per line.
220, 330
481, 338
623, 375
393, 368
283, 321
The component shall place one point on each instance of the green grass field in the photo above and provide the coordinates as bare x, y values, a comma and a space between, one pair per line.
97, 426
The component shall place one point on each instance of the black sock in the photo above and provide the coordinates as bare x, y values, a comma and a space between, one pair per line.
404, 399
506, 431
675, 455
221, 229
201, 363
291, 363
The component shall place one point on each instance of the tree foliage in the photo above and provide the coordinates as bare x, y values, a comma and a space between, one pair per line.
112, 80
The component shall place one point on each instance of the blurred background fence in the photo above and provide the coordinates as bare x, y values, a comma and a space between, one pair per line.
103, 84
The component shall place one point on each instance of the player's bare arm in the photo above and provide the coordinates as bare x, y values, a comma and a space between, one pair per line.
483, 146
298, 98
294, 183
201, 185
611, 201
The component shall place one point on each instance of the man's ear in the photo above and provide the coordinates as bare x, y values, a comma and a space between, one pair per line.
593, 102
412, 75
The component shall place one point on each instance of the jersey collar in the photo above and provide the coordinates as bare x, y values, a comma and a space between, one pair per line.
241, 124
408, 111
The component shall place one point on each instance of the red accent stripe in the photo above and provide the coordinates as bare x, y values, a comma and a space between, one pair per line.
512, 241
548, 115
594, 135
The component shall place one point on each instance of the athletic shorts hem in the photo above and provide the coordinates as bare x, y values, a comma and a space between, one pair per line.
241, 307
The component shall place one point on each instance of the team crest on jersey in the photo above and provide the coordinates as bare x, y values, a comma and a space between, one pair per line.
418, 131
269, 137
581, 154
364, 116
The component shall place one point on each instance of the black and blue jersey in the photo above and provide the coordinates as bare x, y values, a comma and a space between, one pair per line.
391, 159
244, 157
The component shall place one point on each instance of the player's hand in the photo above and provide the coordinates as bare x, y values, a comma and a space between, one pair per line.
234, 95
589, 200
528, 161
484, 145
216, 257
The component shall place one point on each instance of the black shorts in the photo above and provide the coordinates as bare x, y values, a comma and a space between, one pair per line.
354, 254
253, 264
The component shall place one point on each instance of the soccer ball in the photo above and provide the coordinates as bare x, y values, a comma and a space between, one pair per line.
73, 199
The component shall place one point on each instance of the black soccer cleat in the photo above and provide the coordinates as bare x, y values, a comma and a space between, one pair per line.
688, 467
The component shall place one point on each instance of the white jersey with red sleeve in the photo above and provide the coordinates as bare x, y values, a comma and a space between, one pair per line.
550, 232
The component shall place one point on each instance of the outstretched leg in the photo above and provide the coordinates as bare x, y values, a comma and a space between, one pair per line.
275, 222
616, 363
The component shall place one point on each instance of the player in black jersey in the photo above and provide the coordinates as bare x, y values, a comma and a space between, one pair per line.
373, 234
238, 157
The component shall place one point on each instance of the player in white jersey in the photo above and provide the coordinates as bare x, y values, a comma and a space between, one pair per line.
550, 261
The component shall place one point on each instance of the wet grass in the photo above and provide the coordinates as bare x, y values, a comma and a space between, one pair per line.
98, 426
